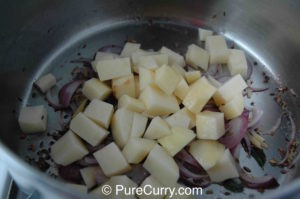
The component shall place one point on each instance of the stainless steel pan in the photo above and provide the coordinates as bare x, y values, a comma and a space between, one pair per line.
41, 36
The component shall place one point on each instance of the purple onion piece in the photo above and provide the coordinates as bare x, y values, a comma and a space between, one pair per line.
70, 173
111, 49
67, 91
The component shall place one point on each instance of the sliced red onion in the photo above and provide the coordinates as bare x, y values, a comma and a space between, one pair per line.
99, 176
256, 117
258, 89
87, 161
184, 157
190, 182
238, 130
111, 49
138, 173
70, 173
67, 91
212, 70
224, 78
184, 172
235, 151
275, 127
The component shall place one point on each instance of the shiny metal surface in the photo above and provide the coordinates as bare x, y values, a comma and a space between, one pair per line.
42, 36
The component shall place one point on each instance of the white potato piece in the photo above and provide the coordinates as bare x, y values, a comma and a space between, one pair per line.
150, 181
162, 166
121, 126
136, 55
95, 89
224, 169
166, 79
157, 102
207, 152
229, 90
147, 62
160, 59
234, 107
181, 89
45, 82
179, 69
217, 49
184, 113
192, 76
157, 128
197, 57
123, 86
137, 86
89, 174
210, 125
203, 34
88, 130
129, 48
179, 138
68, 149
111, 160
100, 112
33, 119
113, 182
199, 94
237, 63
173, 57
111, 69
139, 124
131, 104
100, 56
78, 187
178, 120
146, 78
136, 149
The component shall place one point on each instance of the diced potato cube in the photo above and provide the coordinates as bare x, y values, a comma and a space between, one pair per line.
146, 78
181, 89
234, 107
173, 57
207, 152
210, 125
157, 102
217, 49
166, 79
121, 126
111, 160
162, 166
45, 82
192, 76
158, 128
100, 56
139, 124
78, 187
179, 115
89, 174
199, 94
136, 149
131, 103
191, 115
179, 138
123, 86
100, 112
161, 59
197, 57
224, 169
150, 181
33, 119
129, 48
137, 86
179, 69
88, 130
68, 149
237, 63
95, 89
147, 62
178, 120
113, 182
111, 69
136, 55
203, 34
229, 90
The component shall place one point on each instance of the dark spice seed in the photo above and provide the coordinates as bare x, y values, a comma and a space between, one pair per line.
41, 144
226, 193
224, 13
247, 169
19, 99
33, 95
255, 63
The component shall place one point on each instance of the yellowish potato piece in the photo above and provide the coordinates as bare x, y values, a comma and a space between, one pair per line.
192, 76
129, 48
136, 149
229, 90
121, 126
181, 89
131, 104
139, 124
100, 56
179, 69
166, 79
157, 102
123, 86
68, 149
237, 63
88, 130
179, 138
158, 128
178, 120
203, 34
234, 107
184, 112
207, 152
95, 89
173, 57
136, 55
199, 94
217, 49
146, 78
147, 62
45, 82
152, 182
210, 125
197, 57
89, 174
111, 160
